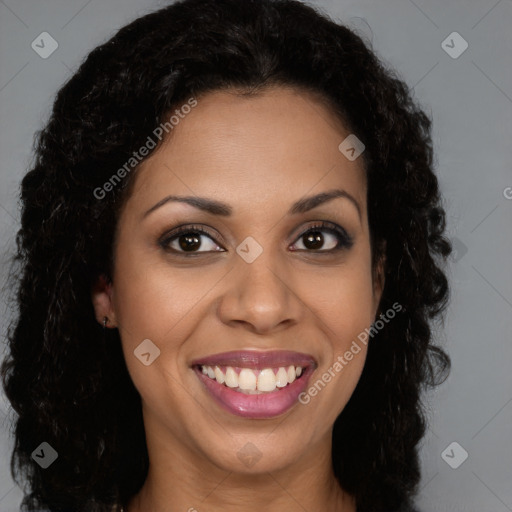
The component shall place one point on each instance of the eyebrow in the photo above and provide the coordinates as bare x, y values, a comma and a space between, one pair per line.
218, 208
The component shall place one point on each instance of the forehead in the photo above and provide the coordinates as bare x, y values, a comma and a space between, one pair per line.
252, 151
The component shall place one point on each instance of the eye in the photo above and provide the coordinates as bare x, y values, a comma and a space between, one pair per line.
312, 239
189, 239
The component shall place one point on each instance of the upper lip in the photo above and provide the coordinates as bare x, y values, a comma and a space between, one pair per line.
257, 359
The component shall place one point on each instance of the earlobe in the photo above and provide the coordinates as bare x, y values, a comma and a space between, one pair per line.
102, 301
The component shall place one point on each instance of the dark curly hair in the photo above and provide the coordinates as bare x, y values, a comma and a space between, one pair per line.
71, 388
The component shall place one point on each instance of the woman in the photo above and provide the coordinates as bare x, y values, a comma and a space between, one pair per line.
230, 257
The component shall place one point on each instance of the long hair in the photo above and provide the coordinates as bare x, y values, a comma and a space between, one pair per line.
69, 386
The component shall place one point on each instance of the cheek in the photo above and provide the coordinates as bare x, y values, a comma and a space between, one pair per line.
342, 297
156, 300
351, 306
156, 309
348, 312
164, 304
343, 304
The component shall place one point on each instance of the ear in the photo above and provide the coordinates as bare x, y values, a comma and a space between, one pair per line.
102, 295
379, 278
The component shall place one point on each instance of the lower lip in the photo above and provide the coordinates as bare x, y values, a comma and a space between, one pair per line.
264, 405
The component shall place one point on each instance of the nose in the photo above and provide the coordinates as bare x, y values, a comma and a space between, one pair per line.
261, 296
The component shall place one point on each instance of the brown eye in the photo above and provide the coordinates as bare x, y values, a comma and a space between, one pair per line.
189, 239
315, 239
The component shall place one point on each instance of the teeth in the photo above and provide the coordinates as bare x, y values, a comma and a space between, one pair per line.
219, 375
247, 380
231, 378
292, 373
281, 378
266, 380
249, 391
252, 382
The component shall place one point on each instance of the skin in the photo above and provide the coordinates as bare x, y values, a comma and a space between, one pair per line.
258, 154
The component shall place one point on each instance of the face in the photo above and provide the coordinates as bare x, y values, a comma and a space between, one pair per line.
259, 295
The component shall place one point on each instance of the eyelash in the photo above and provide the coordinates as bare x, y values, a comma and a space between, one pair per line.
345, 241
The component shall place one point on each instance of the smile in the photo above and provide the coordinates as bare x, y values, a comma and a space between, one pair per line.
247, 380
255, 384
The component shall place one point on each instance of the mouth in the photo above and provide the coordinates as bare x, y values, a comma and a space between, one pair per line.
255, 384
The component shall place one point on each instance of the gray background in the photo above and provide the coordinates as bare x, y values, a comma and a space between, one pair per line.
470, 101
